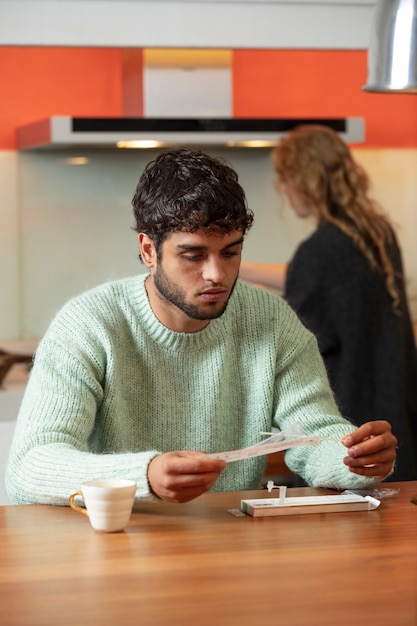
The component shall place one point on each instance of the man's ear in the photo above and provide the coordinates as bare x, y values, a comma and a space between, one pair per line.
147, 250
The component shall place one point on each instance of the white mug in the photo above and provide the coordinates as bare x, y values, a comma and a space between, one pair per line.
108, 503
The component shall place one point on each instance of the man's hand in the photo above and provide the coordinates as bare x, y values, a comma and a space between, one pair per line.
182, 476
371, 449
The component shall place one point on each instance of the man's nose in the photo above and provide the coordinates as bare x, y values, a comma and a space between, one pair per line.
213, 270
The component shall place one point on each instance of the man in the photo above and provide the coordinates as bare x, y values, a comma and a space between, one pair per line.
140, 377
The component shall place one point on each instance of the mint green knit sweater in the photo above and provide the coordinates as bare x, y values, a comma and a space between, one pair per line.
112, 387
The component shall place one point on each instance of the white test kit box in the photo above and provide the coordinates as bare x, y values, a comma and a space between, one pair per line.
269, 507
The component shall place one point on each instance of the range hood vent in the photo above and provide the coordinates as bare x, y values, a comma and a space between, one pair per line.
80, 132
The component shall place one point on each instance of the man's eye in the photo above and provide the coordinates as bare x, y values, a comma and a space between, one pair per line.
192, 257
231, 253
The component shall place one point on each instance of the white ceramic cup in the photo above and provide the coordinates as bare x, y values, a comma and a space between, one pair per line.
108, 503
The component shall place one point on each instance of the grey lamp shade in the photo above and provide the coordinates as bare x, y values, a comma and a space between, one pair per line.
392, 54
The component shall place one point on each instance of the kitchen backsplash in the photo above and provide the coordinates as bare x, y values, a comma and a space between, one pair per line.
66, 222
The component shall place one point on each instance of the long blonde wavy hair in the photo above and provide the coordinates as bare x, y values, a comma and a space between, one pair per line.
320, 169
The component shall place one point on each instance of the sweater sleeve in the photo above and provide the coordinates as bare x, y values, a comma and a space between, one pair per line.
49, 457
307, 291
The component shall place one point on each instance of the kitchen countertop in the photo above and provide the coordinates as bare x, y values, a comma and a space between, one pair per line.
17, 376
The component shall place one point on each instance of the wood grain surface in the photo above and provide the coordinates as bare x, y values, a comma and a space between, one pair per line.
197, 563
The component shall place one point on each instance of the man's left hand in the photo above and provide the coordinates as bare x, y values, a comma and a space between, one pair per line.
371, 449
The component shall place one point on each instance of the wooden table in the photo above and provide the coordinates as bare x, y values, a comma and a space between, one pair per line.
197, 564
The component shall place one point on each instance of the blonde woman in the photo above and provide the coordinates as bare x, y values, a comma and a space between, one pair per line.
346, 282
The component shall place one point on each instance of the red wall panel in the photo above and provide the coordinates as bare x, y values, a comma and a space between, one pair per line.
326, 83
39, 82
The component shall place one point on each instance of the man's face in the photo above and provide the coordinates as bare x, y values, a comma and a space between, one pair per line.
194, 277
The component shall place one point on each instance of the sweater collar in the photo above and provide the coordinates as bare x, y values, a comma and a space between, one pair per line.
170, 338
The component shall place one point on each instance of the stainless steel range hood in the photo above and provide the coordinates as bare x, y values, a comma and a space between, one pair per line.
79, 132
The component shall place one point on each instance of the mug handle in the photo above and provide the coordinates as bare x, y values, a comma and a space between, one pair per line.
74, 506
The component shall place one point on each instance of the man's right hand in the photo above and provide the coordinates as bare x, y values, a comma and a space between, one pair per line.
183, 476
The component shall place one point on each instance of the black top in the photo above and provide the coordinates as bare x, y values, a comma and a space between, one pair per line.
369, 350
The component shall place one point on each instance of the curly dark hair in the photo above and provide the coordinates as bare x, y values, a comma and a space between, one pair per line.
187, 190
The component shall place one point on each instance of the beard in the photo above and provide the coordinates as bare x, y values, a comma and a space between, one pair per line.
177, 297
